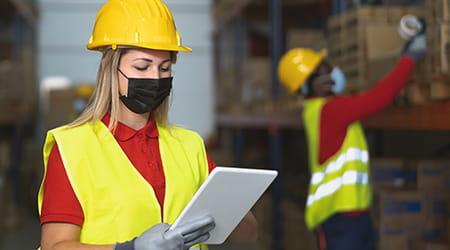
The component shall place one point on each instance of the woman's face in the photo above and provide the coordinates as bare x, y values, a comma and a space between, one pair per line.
322, 84
143, 63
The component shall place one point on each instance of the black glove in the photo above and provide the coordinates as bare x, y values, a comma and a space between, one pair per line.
160, 237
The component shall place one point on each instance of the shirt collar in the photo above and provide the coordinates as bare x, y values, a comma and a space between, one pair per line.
124, 132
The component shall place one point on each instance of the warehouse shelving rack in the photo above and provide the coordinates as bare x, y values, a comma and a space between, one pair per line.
19, 27
273, 122
429, 116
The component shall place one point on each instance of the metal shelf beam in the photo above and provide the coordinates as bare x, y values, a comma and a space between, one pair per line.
430, 116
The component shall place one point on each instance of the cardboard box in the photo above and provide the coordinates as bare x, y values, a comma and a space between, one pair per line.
379, 67
432, 175
366, 14
440, 88
378, 45
307, 38
417, 92
256, 76
439, 10
225, 87
393, 240
358, 44
401, 211
429, 245
438, 52
414, 214
391, 173
60, 107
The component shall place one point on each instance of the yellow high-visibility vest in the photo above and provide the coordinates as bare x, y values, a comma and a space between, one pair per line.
118, 203
341, 183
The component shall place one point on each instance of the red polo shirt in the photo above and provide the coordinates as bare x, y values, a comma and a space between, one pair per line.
141, 147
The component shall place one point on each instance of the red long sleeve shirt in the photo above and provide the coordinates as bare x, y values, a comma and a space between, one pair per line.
339, 112
142, 148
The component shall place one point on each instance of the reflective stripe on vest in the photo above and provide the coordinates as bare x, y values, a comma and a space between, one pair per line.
352, 154
116, 200
329, 188
342, 182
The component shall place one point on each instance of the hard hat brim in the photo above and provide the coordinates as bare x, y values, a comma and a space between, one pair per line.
101, 47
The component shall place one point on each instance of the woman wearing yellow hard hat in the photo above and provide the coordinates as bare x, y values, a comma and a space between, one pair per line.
339, 194
120, 174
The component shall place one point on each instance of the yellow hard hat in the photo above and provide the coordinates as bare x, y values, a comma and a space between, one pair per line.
297, 65
141, 23
84, 90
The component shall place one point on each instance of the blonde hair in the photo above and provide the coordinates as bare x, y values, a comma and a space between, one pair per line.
105, 98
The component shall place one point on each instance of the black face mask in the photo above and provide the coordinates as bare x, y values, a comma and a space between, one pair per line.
145, 94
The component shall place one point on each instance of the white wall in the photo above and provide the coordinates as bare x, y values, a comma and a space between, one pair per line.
66, 25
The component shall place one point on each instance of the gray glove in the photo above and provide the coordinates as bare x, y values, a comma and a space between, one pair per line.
415, 48
161, 238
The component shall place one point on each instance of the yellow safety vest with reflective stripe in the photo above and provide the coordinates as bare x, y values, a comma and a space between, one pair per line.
118, 203
342, 182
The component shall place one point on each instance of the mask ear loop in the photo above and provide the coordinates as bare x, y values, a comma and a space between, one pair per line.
122, 73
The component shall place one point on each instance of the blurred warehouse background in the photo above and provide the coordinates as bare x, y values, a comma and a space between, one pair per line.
227, 91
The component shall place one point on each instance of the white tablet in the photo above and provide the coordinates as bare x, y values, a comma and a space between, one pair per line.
227, 195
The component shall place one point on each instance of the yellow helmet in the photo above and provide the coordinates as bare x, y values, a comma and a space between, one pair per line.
141, 23
297, 65
84, 90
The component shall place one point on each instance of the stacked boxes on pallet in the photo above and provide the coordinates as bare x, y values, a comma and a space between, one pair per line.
17, 82
411, 203
365, 43
256, 78
438, 40
365, 34
247, 85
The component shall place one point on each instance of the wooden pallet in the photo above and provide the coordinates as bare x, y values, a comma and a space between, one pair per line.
438, 52
440, 88
438, 11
